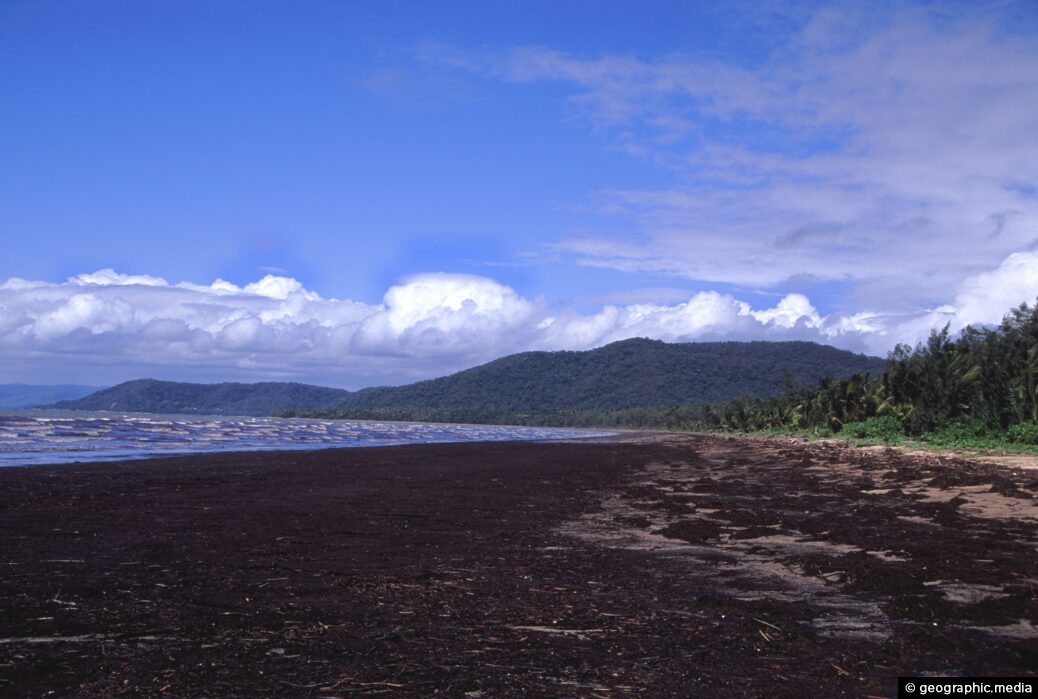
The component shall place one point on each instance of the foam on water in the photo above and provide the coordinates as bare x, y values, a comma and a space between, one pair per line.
45, 437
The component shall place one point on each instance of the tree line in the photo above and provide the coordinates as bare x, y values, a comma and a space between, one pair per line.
982, 382
985, 381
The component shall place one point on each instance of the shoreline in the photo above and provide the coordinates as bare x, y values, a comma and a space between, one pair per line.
655, 563
99, 438
308, 449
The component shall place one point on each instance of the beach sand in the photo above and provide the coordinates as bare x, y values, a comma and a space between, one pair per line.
646, 565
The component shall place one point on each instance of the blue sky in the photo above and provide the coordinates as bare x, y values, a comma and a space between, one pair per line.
374, 192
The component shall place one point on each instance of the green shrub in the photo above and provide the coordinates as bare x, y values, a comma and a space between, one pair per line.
1023, 433
886, 427
961, 433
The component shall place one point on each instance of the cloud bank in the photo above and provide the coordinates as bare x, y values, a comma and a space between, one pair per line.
105, 327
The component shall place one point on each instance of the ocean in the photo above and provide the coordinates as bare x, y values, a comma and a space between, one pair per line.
51, 437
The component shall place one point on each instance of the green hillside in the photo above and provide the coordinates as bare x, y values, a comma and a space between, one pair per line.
624, 375
151, 396
627, 374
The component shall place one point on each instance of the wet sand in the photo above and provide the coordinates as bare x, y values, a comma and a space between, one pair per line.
650, 565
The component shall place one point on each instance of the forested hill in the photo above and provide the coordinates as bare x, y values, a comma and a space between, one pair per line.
626, 374
151, 396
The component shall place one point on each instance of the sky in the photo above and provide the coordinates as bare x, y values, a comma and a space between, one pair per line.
368, 193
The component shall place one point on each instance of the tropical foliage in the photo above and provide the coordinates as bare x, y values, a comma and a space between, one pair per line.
979, 389
983, 383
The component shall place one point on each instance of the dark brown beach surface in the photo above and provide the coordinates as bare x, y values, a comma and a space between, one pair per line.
651, 565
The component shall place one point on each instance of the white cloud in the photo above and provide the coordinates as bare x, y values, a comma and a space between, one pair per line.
85, 311
792, 309
445, 314
890, 149
278, 288
706, 315
109, 277
986, 297
112, 329
982, 299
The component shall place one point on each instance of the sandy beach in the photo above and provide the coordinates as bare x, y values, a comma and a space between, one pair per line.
646, 565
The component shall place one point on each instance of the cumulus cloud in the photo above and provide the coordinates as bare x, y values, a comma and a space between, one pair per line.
981, 299
445, 314
1013, 282
105, 327
109, 277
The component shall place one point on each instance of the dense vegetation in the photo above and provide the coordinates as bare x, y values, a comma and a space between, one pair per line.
979, 389
151, 396
621, 376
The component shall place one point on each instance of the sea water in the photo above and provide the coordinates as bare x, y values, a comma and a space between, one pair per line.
50, 437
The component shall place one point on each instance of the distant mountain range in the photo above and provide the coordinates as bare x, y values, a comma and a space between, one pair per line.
627, 374
19, 395
152, 396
